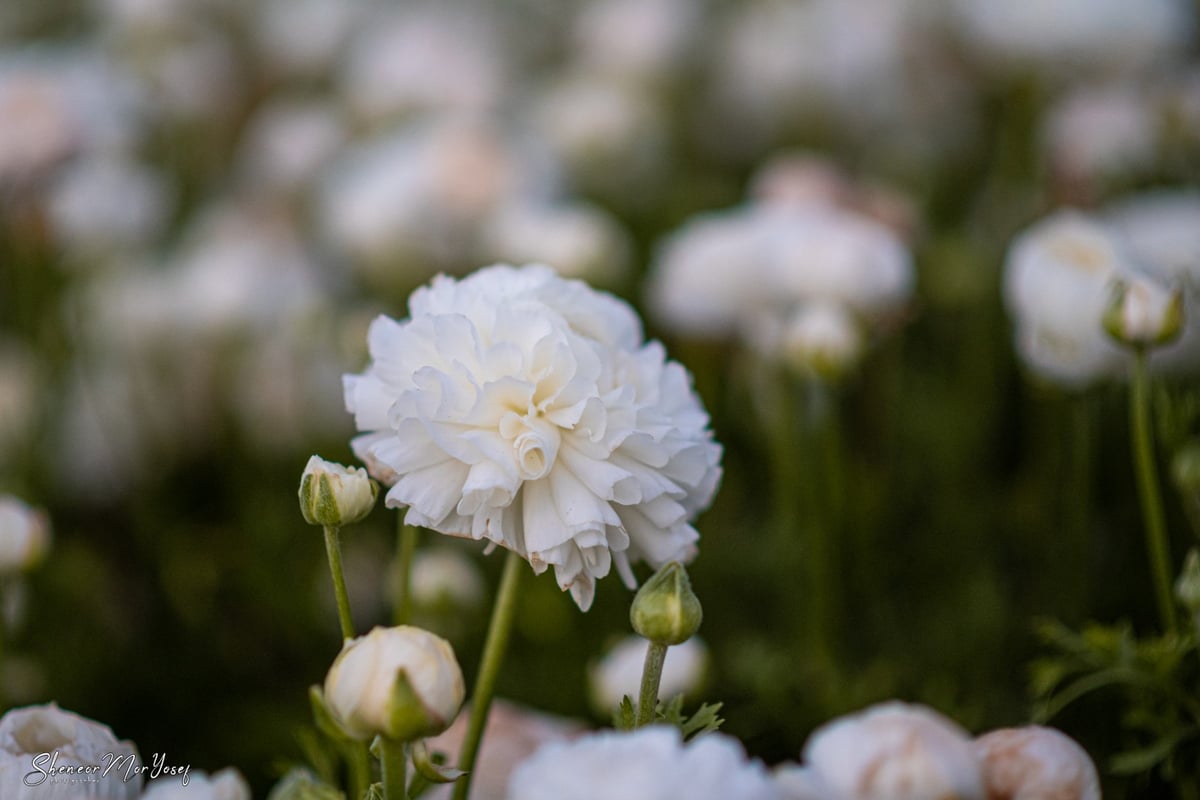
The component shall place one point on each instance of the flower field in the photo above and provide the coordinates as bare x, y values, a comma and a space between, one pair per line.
630, 399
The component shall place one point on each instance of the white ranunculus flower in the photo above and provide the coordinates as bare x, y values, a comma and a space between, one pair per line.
895, 751
24, 535
525, 409
360, 686
652, 763
1035, 763
1058, 279
35, 738
228, 784
619, 672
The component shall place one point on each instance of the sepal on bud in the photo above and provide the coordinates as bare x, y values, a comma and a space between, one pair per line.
333, 495
666, 610
429, 769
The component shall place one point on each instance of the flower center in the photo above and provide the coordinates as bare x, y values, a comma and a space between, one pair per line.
535, 441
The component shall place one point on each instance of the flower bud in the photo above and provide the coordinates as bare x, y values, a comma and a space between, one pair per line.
24, 535
1187, 586
1143, 314
823, 340
401, 683
333, 495
666, 610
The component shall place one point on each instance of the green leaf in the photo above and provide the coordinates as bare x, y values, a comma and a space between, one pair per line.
705, 720
625, 717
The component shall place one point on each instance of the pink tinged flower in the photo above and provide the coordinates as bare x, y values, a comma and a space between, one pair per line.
525, 409
895, 751
1033, 763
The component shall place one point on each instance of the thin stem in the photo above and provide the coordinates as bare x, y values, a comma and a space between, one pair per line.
406, 545
489, 668
393, 761
333, 549
652, 671
1147, 476
1079, 501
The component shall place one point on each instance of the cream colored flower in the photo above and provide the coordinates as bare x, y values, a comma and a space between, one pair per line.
1036, 763
403, 683
895, 751
35, 739
24, 535
525, 409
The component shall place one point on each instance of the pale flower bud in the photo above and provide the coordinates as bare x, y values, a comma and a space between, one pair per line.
1187, 586
895, 751
1033, 762
1142, 313
401, 683
24, 535
824, 340
334, 495
666, 610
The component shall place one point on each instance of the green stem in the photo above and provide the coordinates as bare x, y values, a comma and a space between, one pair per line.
652, 671
489, 668
360, 768
1147, 476
1079, 502
333, 549
393, 761
406, 545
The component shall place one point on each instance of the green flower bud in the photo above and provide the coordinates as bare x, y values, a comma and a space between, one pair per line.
333, 495
666, 610
1141, 313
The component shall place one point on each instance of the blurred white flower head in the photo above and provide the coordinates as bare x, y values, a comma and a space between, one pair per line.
525, 409
421, 59
360, 689
303, 38
1071, 34
895, 751
641, 41
1034, 763
823, 340
1100, 133
27, 733
228, 784
411, 202
611, 135
441, 575
24, 535
1058, 277
651, 763
88, 223
751, 269
619, 672
21, 381
287, 143
581, 241
39, 130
